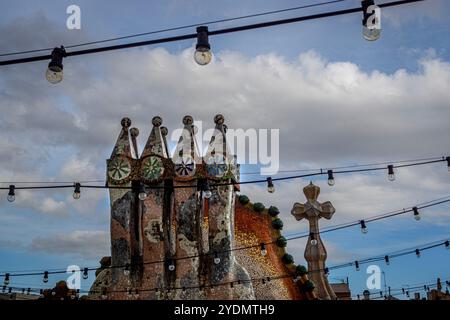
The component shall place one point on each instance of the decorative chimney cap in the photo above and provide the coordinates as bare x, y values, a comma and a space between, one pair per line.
219, 119
311, 191
188, 120
126, 123
164, 131
134, 132
157, 121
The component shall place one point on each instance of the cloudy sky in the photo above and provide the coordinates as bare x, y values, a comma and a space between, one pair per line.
335, 98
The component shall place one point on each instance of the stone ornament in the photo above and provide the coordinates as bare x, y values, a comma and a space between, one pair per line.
152, 168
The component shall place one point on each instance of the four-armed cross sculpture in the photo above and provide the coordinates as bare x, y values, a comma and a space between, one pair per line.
315, 252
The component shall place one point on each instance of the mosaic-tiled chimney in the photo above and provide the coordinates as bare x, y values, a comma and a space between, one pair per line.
162, 210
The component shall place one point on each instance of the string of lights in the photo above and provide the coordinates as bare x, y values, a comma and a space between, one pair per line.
415, 209
294, 236
405, 289
205, 186
203, 55
264, 280
251, 173
263, 245
205, 23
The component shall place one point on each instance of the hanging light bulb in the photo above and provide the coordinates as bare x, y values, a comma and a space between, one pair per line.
391, 175
363, 226
6, 281
371, 20
85, 273
171, 265
447, 245
77, 191
357, 265
330, 178
417, 253
28, 291
270, 186
206, 190
313, 239
326, 272
202, 53
448, 163
41, 293
45, 279
54, 72
263, 249
126, 270
216, 258
11, 194
3, 288
142, 194
386, 258
416, 213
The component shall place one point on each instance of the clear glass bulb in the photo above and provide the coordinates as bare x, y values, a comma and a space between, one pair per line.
417, 217
371, 34
216, 260
171, 267
357, 268
11, 198
271, 189
391, 177
364, 230
142, 196
6, 282
45, 280
202, 56
388, 262
263, 252
314, 242
331, 182
126, 272
54, 74
85, 276
418, 255
207, 194
76, 195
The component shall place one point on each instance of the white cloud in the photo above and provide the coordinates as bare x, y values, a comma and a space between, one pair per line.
80, 243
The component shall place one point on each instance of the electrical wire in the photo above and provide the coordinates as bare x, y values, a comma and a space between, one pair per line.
395, 254
251, 173
270, 278
181, 27
319, 173
210, 33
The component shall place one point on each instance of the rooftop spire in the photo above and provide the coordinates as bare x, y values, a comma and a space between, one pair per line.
155, 144
186, 153
122, 146
218, 147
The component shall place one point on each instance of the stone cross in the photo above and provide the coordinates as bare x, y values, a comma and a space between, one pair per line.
315, 252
